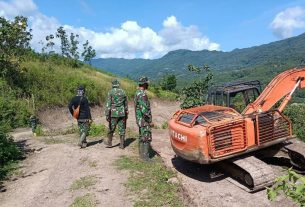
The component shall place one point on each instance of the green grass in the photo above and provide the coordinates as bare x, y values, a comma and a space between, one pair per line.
84, 201
97, 130
83, 183
149, 182
164, 125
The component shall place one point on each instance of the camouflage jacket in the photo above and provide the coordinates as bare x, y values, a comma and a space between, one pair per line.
116, 105
142, 108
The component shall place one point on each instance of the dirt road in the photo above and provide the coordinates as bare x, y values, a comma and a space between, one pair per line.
49, 175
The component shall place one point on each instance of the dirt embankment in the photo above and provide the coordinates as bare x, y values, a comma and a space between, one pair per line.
60, 118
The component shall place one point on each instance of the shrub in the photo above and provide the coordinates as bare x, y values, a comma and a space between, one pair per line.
8, 149
9, 152
292, 185
296, 113
194, 94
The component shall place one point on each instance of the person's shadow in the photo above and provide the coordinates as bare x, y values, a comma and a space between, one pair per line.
89, 144
129, 141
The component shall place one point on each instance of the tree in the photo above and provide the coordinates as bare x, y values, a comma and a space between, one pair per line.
74, 46
50, 43
169, 82
88, 52
194, 94
65, 45
14, 41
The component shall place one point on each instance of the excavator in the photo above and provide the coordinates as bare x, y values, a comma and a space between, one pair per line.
237, 139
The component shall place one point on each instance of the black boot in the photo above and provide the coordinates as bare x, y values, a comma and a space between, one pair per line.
122, 140
82, 142
141, 149
109, 141
146, 147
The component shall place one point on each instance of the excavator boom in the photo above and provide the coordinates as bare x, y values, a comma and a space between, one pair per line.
282, 85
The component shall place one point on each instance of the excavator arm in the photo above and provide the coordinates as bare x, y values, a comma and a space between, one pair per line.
283, 85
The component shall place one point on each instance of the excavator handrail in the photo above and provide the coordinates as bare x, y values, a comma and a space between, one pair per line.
282, 85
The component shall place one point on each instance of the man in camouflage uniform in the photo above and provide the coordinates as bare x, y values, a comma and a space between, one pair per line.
143, 118
116, 112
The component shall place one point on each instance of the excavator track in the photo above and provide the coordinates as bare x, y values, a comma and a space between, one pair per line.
296, 152
249, 173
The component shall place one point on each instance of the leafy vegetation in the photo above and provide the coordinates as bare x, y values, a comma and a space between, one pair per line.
194, 94
296, 113
14, 41
292, 185
168, 82
8, 154
150, 182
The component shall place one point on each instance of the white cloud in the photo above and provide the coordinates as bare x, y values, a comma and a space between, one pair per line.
130, 40
287, 21
12, 8
176, 36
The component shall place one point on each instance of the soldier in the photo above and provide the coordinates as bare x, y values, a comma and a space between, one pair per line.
84, 117
143, 118
116, 112
33, 122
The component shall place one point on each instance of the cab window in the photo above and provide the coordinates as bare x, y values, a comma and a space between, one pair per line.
200, 120
186, 118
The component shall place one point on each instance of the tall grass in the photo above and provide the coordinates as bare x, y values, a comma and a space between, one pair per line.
54, 85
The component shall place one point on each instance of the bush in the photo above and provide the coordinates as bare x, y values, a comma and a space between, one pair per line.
14, 112
9, 152
296, 113
194, 94
292, 185
8, 149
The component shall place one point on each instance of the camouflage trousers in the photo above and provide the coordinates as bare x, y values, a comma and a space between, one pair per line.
84, 127
145, 134
117, 121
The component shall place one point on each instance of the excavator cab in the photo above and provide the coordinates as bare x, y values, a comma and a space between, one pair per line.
236, 95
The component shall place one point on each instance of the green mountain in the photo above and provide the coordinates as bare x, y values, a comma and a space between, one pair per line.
247, 62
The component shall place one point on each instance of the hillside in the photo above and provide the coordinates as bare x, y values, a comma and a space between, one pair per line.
273, 56
49, 83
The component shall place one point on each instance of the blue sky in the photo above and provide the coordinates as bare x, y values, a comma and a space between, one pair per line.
151, 28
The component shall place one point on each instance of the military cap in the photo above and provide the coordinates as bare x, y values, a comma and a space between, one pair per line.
115, 82
143, 80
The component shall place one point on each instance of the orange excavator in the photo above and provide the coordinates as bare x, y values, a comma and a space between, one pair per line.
239, 141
